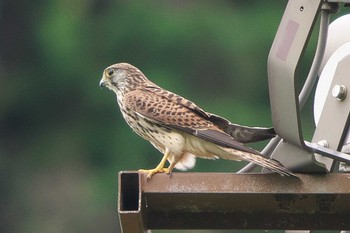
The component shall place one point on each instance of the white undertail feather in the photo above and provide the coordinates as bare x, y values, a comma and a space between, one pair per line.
186, 162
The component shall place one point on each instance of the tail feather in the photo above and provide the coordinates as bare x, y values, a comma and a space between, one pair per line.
271, 164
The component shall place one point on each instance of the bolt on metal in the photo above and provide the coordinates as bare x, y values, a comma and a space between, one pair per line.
323, 143
339, 92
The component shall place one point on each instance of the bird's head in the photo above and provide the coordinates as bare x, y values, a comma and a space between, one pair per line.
121, 76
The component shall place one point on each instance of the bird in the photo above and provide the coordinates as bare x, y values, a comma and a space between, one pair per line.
178, 128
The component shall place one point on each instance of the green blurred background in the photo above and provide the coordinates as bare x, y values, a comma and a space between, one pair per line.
63, 139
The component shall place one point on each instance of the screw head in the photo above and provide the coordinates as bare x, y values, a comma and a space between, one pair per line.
339, 92
323, 143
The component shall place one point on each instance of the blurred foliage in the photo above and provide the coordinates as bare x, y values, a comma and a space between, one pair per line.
63, 139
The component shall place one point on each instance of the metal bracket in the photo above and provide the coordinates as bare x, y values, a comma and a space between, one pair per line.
288, 46
333, 123
287, 49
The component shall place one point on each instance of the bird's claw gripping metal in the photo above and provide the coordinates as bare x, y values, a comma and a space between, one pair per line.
154, 171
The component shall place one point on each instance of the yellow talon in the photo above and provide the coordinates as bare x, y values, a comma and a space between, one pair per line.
154, 171
160, 168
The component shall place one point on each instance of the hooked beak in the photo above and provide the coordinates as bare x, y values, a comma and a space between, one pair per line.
103, 82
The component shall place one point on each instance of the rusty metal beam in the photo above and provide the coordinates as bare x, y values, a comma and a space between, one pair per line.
233, 201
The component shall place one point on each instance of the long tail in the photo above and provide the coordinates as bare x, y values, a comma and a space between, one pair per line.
258, 159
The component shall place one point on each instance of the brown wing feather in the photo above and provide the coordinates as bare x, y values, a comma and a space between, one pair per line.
240, 133
169, 110
172, 97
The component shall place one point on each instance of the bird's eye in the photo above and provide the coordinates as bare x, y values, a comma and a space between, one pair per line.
109, 72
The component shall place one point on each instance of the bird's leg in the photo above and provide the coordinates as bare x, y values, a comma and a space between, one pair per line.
160, 168
172, 165
170, 168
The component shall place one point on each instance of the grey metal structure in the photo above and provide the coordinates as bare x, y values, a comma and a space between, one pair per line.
318, 200
286, 52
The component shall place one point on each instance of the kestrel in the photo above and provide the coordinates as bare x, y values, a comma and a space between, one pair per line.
178, 128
